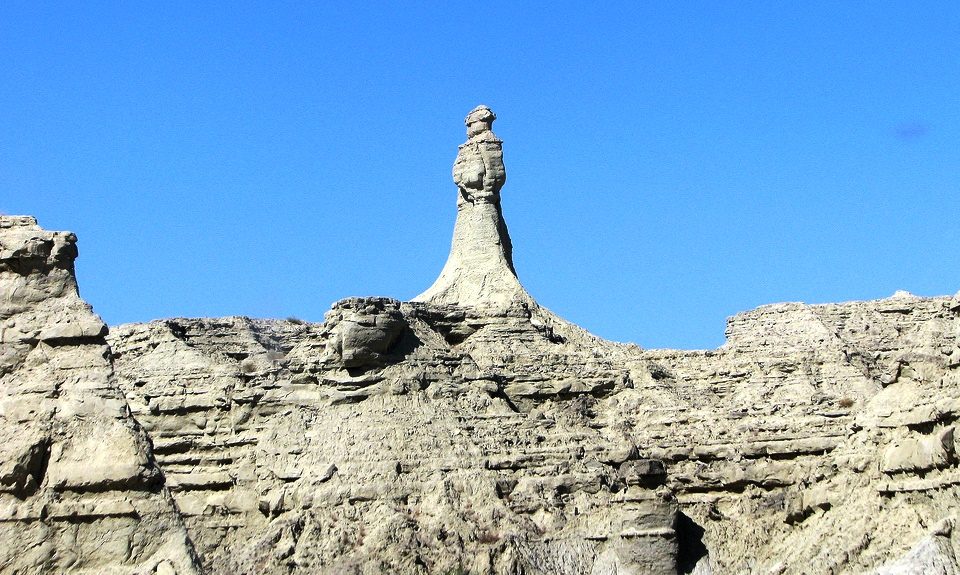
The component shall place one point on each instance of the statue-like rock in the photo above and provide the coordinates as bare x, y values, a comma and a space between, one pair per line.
479, 271
472, 432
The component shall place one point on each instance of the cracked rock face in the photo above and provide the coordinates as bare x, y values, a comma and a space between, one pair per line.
497, 444
364, 331
470, 431
79, 489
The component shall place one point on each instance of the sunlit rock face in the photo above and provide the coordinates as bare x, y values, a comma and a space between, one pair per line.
479, 271
79, 488
470, 431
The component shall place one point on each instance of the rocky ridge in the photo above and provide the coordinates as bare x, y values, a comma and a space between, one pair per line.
473, 431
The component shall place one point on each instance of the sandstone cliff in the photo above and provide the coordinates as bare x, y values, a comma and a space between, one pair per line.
470, 430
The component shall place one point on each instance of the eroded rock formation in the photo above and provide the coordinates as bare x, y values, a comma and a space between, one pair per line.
479, 271
79, 488
470, 431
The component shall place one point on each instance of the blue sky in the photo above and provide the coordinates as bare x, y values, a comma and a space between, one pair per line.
669, 164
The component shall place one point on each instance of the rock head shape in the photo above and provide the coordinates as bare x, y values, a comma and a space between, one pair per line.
479, 271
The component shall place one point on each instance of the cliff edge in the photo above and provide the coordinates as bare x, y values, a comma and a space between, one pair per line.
80, 491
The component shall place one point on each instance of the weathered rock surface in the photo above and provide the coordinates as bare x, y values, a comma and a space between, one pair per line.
472, 431
933, 555
435, 457
79, 489
479, 271
491, 444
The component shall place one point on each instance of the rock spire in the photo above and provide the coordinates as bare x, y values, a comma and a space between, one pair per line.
479, 271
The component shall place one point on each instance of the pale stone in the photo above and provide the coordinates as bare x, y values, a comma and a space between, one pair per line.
479, 269
77, 479
932, 555
920, 453
469, 431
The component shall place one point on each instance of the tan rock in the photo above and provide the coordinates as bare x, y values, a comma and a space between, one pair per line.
920, 452
470, 430
479, 270
79, 491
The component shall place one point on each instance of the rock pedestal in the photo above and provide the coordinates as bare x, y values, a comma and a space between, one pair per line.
479, 271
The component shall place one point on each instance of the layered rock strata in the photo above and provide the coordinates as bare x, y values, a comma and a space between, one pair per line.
819, 439
328, 448
472, 431
79, 489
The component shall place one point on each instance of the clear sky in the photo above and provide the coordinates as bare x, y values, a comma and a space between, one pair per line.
668, 164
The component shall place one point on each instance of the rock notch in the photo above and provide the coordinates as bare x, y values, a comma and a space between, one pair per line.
479, 271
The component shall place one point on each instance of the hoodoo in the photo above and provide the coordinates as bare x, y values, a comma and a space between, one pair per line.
479, 271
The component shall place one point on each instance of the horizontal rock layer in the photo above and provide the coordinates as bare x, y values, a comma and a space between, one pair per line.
79, 488
818, 439
418, 437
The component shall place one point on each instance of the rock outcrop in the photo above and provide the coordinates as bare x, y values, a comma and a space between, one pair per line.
490, 444
479, 271
471, 431
79, 489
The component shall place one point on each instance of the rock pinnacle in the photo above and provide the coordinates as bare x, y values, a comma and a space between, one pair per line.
479, 271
